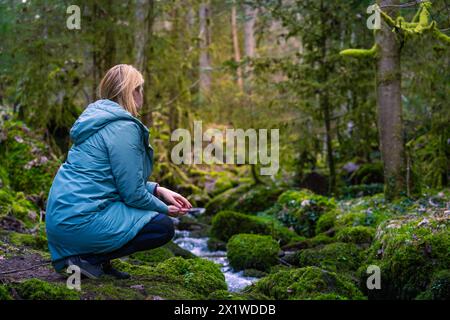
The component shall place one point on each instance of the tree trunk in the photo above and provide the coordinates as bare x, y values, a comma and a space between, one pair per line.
204, 60
389, 105
144, 18
249, 37
324, 101
237, 51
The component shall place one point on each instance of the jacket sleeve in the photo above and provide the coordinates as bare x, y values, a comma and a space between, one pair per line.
126, 154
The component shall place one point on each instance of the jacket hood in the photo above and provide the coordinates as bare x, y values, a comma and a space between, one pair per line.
99, 114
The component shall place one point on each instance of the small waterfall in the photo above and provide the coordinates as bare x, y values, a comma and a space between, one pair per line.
236, 280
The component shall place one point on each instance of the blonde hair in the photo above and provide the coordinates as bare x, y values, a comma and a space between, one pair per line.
118, 85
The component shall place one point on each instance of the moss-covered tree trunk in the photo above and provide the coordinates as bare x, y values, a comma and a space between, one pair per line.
390, 105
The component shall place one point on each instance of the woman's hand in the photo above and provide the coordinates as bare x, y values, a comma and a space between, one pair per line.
173, 198
175, 211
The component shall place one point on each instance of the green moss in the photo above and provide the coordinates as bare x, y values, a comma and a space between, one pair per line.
308, 283
225, 295
409, 251
301, 209
358, 234
337, 257
16, 204
228, 223
132, 269
178, 251
35, 289
252, 251
4, 293
360, 53
439, 287
28, 161
36, 241
326, 222
152, 256
110, 291
257, 199
200, 275
318, 240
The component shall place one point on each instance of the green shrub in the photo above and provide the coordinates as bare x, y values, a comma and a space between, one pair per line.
308, 283
358, 234
35, 289
252, 251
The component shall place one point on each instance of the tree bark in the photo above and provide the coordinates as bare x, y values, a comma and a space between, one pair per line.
324, 100
388, 77
249, 37
205, 38
236, 50
144, 19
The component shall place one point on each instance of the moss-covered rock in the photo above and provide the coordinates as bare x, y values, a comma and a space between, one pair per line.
200, 275
258, 198
252, 251
17, 205
152, 256
326, 221
308, 283
409, 250
358, 234
35, 289
178, 251
225, 224
336, 257
301, 210
28, 161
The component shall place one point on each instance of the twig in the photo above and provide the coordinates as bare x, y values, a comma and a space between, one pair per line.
25, 269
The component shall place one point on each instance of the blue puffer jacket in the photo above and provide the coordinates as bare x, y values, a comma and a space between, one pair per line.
100, 197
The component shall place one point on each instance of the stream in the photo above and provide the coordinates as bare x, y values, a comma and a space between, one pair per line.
236, 281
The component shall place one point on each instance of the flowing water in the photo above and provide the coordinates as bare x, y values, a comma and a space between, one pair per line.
236, 280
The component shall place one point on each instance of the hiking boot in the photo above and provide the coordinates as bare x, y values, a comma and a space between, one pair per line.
92, 271
109, 270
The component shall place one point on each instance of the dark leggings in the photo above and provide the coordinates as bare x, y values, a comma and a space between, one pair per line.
156, 233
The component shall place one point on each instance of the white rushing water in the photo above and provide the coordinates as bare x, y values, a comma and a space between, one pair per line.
236, 280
